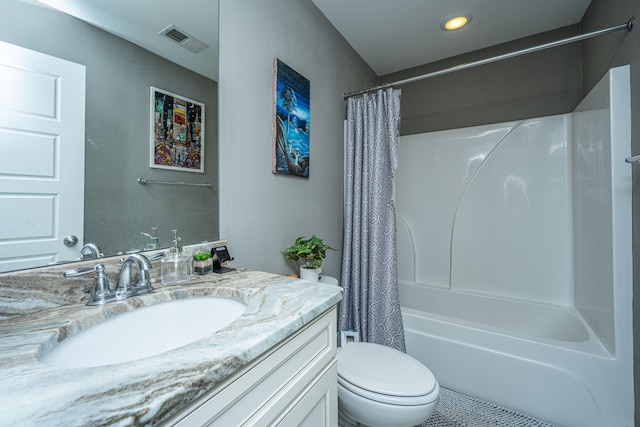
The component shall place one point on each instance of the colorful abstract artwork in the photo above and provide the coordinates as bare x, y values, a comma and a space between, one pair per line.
291, 122
177, 132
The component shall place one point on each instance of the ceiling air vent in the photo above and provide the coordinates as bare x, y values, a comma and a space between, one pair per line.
183, 38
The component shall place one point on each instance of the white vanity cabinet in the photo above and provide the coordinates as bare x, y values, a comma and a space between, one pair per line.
293, 384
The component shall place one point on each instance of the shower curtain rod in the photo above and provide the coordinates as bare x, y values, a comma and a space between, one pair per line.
626, 26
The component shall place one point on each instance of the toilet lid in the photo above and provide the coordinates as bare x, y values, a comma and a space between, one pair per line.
384, 370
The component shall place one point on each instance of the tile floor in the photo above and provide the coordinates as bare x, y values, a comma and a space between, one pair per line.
458, 410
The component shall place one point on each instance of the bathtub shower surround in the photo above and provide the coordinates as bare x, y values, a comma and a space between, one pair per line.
371, 304
514, 259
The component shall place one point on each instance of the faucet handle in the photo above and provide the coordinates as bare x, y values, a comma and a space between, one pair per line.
74, 272
101, 292
156, 256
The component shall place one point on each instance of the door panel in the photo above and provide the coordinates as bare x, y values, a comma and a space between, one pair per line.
42, 103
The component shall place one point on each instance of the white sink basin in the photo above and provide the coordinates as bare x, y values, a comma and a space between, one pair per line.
144, 332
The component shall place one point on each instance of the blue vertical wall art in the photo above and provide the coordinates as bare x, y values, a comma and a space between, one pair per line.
290, 121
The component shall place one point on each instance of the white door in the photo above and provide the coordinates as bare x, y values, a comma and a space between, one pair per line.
42, 102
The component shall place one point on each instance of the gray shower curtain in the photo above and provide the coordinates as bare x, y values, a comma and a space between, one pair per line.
369, 267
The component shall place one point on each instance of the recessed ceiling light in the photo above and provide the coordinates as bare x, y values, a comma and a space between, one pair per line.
456, 22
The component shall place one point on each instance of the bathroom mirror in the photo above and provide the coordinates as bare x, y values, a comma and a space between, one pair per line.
117, 134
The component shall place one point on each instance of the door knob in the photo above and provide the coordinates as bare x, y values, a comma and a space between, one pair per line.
70, 240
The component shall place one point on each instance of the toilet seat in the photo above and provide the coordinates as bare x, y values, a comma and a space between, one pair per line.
388, 399
398, 378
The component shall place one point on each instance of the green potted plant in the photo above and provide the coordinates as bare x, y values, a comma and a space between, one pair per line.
311, 252
202, 263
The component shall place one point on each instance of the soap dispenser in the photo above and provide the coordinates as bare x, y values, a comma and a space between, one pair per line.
175, 267
154, 239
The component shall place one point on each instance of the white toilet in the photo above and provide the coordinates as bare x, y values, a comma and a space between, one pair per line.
379, 386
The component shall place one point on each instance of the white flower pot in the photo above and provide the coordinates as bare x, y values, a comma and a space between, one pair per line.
310, 274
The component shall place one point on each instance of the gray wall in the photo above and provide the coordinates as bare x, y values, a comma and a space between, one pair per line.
538, 84
599, 55
119, 75
260, 213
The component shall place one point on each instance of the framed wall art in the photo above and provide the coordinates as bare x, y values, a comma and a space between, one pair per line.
177, 132
291, 122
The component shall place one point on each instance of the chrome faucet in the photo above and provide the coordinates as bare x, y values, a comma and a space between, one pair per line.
91, 251
142, 285
102, 292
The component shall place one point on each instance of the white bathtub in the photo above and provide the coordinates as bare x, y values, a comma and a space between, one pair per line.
539, 360
555, 325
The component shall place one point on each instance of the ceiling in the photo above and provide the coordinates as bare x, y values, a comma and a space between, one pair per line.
390, 35
140, 21
393, 35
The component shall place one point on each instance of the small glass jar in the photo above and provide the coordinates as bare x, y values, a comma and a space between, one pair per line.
175, 269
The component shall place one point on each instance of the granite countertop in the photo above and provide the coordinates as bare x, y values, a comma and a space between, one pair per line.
152, 389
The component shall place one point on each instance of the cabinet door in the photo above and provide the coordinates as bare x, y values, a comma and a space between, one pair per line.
261, 393
318, 405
